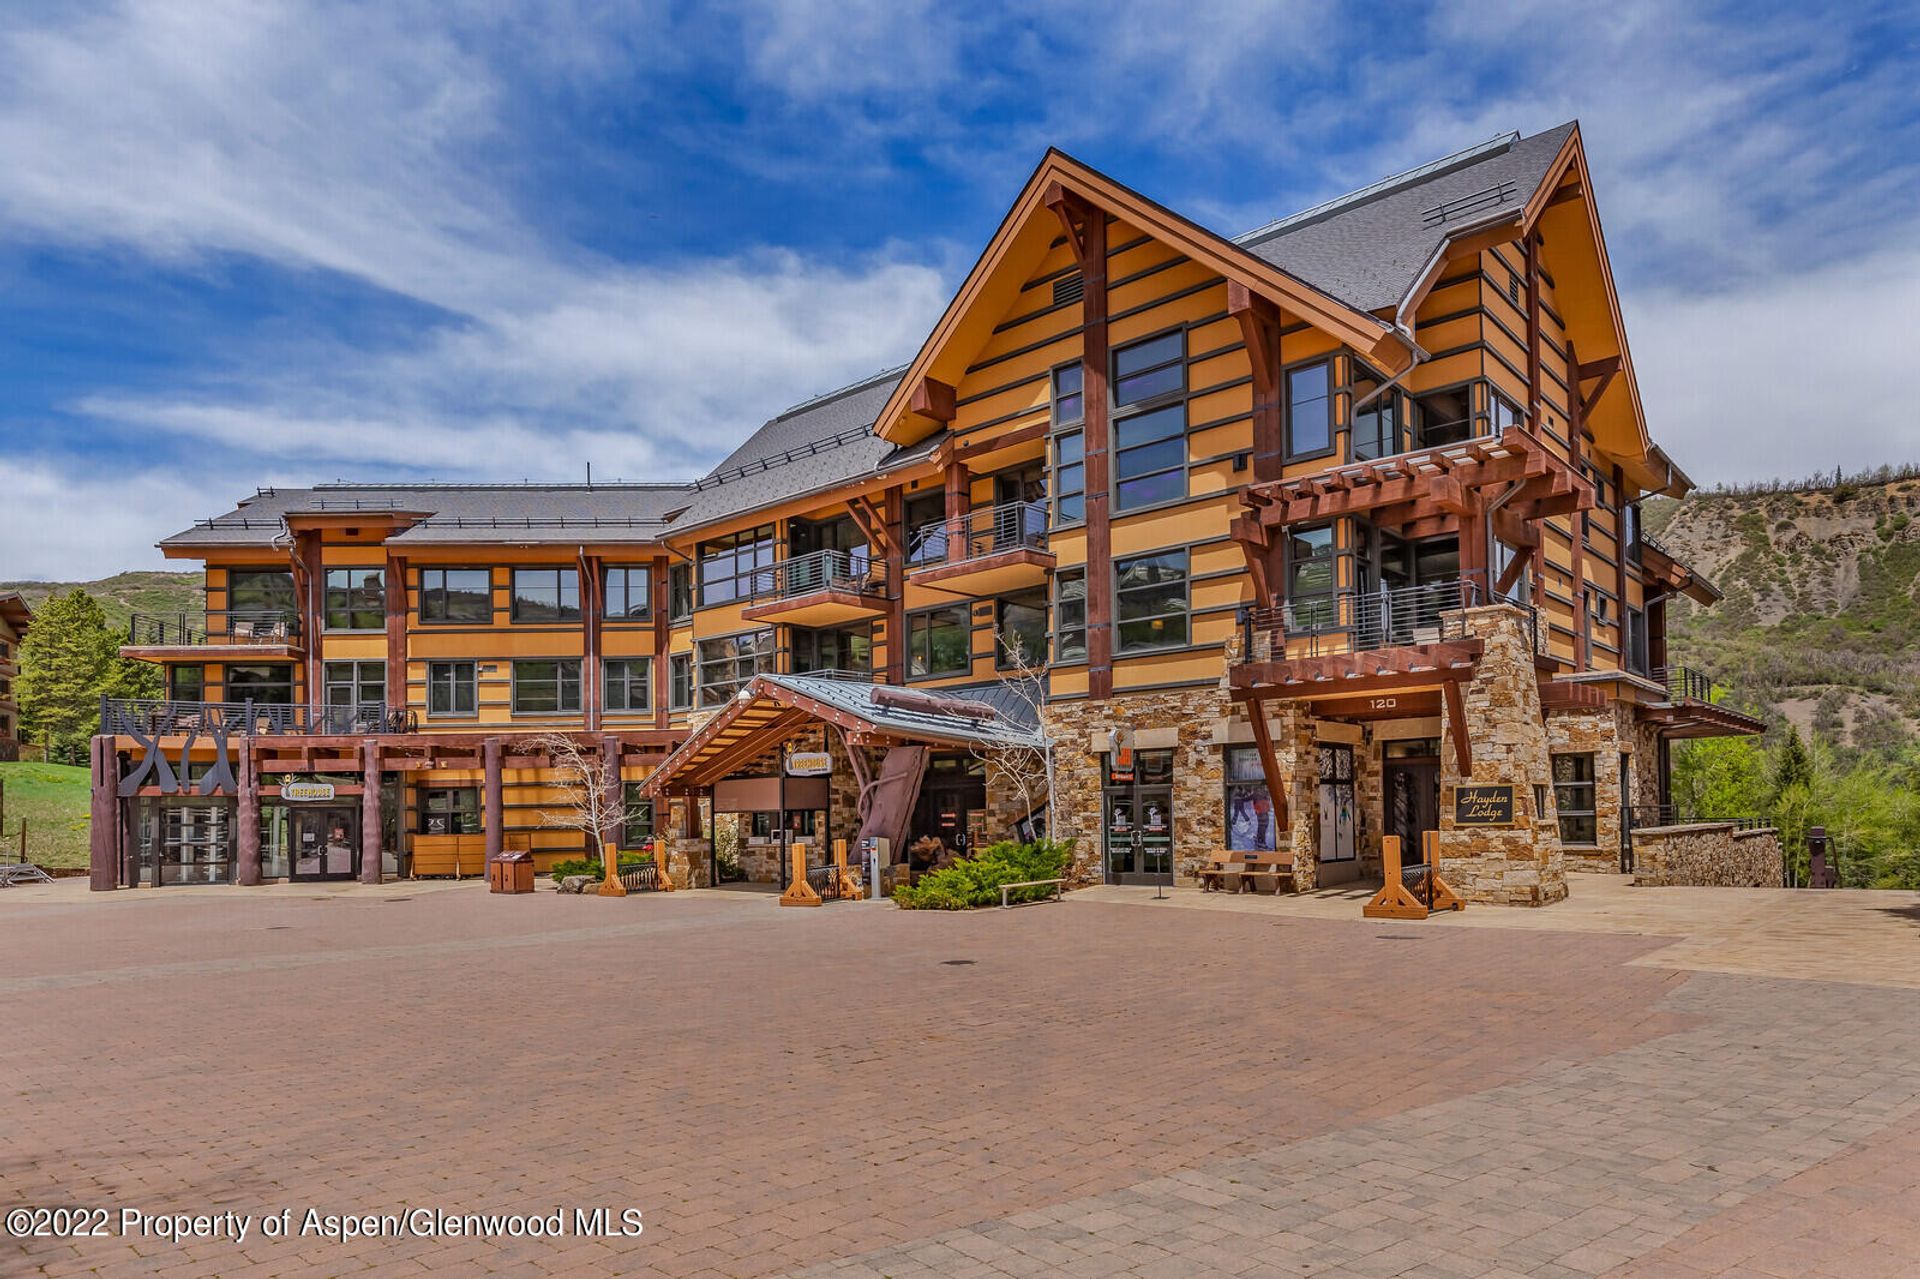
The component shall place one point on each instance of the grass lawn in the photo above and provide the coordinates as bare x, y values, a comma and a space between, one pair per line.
53, 799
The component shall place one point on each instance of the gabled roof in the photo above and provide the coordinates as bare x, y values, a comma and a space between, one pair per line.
816, 445
13, 608
1028, 230
1369, 247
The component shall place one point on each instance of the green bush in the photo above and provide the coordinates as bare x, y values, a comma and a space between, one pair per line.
592, 866
975, 881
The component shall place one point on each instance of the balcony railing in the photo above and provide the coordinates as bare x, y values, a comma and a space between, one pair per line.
1011, 526
165, 718
191, 630
828, 570
1685, 684
1366, 621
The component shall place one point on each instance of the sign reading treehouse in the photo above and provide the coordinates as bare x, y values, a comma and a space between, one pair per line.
1483, 806
306, 792
809, 764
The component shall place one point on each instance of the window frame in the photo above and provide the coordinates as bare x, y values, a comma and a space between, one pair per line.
913, 629
1184, 613
352, 608
426, 592
560, 665
1287, 374
762, 657
459, 804
1161, 401
626, 682
355, 680
472, 683
1001, 660
173, 681
1062, 628
626, 572
291, 683
679, 680
844, 636
1590, 784
680, 592
518, 616
759, 540
282, 577
632, 803
1231, 783
1387, 401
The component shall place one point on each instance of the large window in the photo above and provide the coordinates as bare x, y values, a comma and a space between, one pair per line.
546, 595
629, 684
627, 588
452, 688
680, 681
1020, 630
1251, 825
1376, 425
738, 567
940, 642
450, 810
456, 595
636, 823
1311, 557
187, 683
268, 685
1150, 422
1070, 615
254, 592
1573, 793
356, 683
848, 649
356, 599
1309, 411
1150, 601
545, 686
727, 664
1505, 414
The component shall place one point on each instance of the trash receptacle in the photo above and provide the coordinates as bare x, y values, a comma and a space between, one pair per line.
511, 872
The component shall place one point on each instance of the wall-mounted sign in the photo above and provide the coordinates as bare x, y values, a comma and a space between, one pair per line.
306, 792
1483, 806
809, 764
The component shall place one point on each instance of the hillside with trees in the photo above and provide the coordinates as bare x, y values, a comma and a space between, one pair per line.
1819, 635
124, 594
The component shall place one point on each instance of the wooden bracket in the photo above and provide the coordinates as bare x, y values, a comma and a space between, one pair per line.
1073, 212
799, 892
1457, 726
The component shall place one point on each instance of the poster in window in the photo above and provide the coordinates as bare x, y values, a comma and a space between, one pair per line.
1156, 818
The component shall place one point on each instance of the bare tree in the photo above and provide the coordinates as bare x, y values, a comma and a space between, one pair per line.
593, 802
1024, 770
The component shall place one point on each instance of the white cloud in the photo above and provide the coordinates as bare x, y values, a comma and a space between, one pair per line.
62, 524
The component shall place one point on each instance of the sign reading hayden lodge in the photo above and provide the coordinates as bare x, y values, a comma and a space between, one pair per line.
1483, 806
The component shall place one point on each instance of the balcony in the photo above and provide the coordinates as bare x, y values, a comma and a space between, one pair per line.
821, 588
150, 720
990, 551
1693, 705
213, 636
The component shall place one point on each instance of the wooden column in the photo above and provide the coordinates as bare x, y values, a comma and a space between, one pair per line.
616, 795
1582, 653
959, 500
1260, 325
312, 599
247, 820
662, 640
396, 634
1086, 232
896, 517
370, 825
494, 799
103, 859
590, 670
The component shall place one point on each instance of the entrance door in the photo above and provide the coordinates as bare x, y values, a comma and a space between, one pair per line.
952, 791
1138, 820
326, 842
1413, 803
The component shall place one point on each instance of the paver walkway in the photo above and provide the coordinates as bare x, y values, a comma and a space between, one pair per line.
1091, 1088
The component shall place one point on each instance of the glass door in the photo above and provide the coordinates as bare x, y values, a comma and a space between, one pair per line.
326, 842
1137, 825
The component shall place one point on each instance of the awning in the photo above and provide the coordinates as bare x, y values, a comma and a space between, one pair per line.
770, 709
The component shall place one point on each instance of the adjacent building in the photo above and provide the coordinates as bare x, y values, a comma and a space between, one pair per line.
1165, 541
15, 617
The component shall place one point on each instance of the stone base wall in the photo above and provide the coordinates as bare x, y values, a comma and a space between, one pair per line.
1521, 864
1706, 854
1605, 733
690, 862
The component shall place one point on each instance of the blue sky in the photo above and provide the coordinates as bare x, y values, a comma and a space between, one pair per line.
261, 243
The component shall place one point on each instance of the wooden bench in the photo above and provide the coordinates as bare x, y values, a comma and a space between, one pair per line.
1059, 886
1237, 872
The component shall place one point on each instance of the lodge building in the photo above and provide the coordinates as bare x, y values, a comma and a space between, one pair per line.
1165, 541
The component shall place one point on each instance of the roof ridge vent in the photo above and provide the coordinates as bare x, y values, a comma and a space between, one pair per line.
1384, 187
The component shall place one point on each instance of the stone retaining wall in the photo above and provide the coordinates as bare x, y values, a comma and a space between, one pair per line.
1706, 854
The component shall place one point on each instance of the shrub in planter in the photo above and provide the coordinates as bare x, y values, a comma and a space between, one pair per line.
592, 866
975, 881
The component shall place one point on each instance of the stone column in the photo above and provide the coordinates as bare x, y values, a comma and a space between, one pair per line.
104, 850
494, 815
370, 826
247, 820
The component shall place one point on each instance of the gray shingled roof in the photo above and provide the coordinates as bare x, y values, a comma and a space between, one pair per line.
1368, 248
1015, 725
812, 446
458, 513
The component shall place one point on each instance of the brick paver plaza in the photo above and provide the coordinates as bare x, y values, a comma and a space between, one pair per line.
1101, 1087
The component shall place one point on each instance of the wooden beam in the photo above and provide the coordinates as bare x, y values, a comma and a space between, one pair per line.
1457, 727
1270, 767
932, 398
1096, 436
1024, 435
1260, 325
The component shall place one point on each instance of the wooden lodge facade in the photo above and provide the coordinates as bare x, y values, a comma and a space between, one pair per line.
15, 617
1281, 542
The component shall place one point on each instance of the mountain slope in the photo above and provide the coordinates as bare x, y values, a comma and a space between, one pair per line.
124, 594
